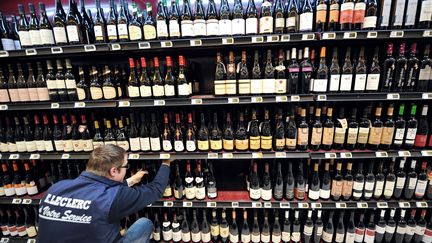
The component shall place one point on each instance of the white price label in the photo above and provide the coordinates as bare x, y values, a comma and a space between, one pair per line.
257, 155
212, 156
267, 205
274, 38
404, 154
346, 155
426, 152
381, 154
56, 50
89, 48
187, 204
227, 155
422, 204
196, 42
350, 35
396, 34
362, 205
31, 241
144, 45
257, 39
16, 201
281, 98
159, 102
168, 204
295, 98
256, 204
284, 205
393, 96
134, 156
4, 53
285, 38
341, 205
382, 205
372, 34
55, 105
427, 33
330, 155
31, 52
124, 103
166, 44
227, 41
4, 240
404, 204
14, 156
316, 205
211, 204
3, 107
427, 96
115, 47
257, 99
196, 101
307, 37
234, 204
79, 105
303, 205
233, 100
322, 97
26, 201
34, 156
280, 154
329, 36
65, 156
164, 156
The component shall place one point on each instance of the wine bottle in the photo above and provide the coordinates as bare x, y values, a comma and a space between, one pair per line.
233, 229
166, 135
73, 24
212, 19
23, 28
347, 15
321, 15
155, 140
340, 228
359, 182
149, 24
279, 134
266, 190
337, 183
254, 187
328, 231
314, 188
87, 27
369, 182
224, 227
225, 16
334, 72
376, 130
422, 130
28, 135
411, 128
238, 19
214, 226
266, 18
373, 77
231, 81
306, 17
359, 14
425, 71
186, 234
31, 84
370, 19
412, 69
33, 25
6, 35
389, 70
161, 20
379, 184
422, 181
166, 228
401, 227
360, 73
360, 229
100, 25
215, 135
420, 228
400, 70
347, 72
412, 181
111, 24
292, 19
388, 130
187, 27
174, 17
199, 23
96, 92
144, 134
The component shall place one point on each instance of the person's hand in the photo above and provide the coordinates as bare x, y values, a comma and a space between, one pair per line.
167, 162
136, 178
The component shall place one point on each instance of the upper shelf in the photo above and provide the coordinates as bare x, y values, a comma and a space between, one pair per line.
294, 38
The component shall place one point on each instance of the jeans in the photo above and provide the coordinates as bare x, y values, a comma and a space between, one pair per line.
139, 232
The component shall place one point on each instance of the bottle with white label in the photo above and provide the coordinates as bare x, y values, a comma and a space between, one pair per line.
390, 181
411, 227
158, 88
73, 24
251, 18
401, 227
328, 231
155, 139
422, 182
238, 26
400, 179
347, 72
7, 35
373, 77
233, 229
225, 16
308, 227
360, 73
360, 229
358, 186
212, 19
296, 233
318, 227
320, 82
334, 72
185, 230
34, 33
390, 227
266, 18
411, 126
161, 20
23, 28
306, 17
369, 182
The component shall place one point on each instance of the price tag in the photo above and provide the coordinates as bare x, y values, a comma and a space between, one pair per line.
295, 98
159, 102
427, 96
31, 52
166, 44
350, 35
31, 241
322, 97
284, 205
34, 156
316, 205
257, 39
115, 47
124, 103
168, 204
396, 34
55, 105
404, 154
285, 38
303, 205
212, 156
134, 156
233, 100
26, 201
257, 99
362, 205
65, 156
144, 45
3, 107
341, 205
16, 201
421, 204
227, 41
14, 156
164, 156
227, 155
426, 152
4, 53
346, 155
79, 105
196, 42
211, 204
256, 204
330, 155
56, 50
393, 96
281, 98
427, 33
307, 37
4, 240
280, 154
329, 36
372, 34
267, 205
382, 205
187, 204
381, 154
89, 48
274, 38
404, 204
257, 155
234, 204
196, 101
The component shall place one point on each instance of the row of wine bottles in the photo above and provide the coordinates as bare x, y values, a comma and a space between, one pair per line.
281, 16
327, 180
294, 73
20, 182
178, 131
289, 226
19, 222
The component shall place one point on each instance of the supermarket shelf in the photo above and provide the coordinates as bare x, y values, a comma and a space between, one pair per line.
372, 96
342, 154
17, 240
199, 43
24, 200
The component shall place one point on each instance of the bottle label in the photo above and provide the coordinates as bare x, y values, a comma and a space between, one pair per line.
48, 146
359, 235
158, 90
156, 236
149, 32
212, 27
33, 95
242, 144
109, 92
166, 145
4, 96
379, 189
251, 26
256, 238
265, 238
339, 136
286, 237
255, 193
169, 90
327, 237
199, 26
372, 82
155, 144
256, 86
162, 28
368, 187
135, 33
314, 195
178, 146
205, 237
23, 95
60, 35
190, 192
216, 144
99, 35
360, 82
370, 22
350, 237
231, 86
426, 11
291, 22
352, 135
60, 84
97, 144
233, 238
77, 146
325, 194
13, 93
186, 237
20, 189
166, 235
412, 183
200, 193
358, 188
87, 145
24, 37
321, 13
266, 142
421, 188
31, 188
303, 136
72, 33
224, 232
225, 26
401, 230
238, 26
9, 190
410, 136
244, 86
347, 13
399, 135
174, 28
3, 147
203, 145
35, 37
145, 143
387, 135
420, 140
187, 28
340, 237
42, 93
266, 25
346, 82
280, 22
280, 86
328, 136
320, 85
190, 146
214, 230
255, 143
306, 21
220, 88
96, 93
375, 135
228, 144
51, 85
359, 13
183, 89
8, 44
389, 188
334, 13
399, 15
336, 190
400, 183
316, 135
145, 91
266, 194
420, 230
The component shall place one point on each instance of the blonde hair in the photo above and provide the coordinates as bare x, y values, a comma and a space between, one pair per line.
103, 158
